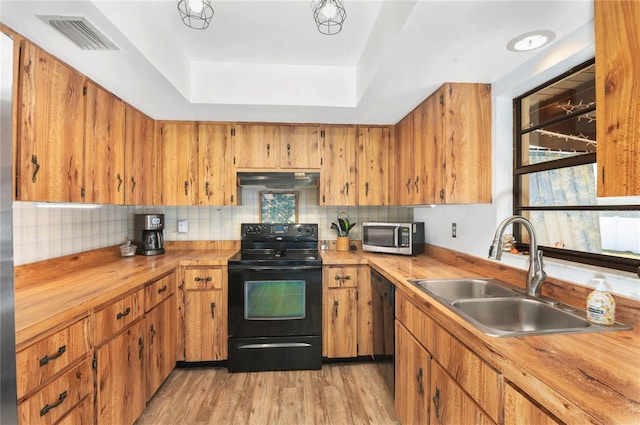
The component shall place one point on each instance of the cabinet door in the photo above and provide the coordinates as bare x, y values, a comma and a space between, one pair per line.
373, 165
140, 158
450, 404
217, 173
299, 147
178, 142
161, 347
205, 322
104, 147
424, 151
403, 192
463, 137
338, 180
340, 336
618, 97
365, 312
120, 388
50, 129
519, 409
256, 146
412, 363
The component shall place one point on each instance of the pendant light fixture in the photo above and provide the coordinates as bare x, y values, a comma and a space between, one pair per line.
329, 15
196, 14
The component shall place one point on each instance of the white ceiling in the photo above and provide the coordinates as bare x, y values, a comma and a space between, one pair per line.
266, 61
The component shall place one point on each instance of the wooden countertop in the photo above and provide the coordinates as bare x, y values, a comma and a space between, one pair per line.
59, 291
599, 372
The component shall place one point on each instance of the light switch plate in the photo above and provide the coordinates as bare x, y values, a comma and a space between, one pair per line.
183, 226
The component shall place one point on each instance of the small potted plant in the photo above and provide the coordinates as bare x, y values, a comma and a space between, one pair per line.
343, 226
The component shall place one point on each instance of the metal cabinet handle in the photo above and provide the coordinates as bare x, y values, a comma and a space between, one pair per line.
119, 181
161, 290
205, 279
34, 161
153, 334
436, 402
206, 190
186, 188
408, 185
346, 187
335, 306
62, 397
366, 189
141, 344
441, 193
213, 308
419, 380
288, 150
268, 150
416, 184
47, 359
133, 184
347, 277
123, 314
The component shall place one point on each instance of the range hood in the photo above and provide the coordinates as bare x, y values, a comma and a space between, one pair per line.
278, 180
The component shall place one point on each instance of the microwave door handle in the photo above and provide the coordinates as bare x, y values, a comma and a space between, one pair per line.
396, 233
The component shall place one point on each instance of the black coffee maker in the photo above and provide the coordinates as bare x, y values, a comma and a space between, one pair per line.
148, 234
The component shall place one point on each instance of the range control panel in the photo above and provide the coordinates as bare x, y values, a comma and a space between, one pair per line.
286, 231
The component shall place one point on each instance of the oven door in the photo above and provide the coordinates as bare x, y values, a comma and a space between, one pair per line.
268, 301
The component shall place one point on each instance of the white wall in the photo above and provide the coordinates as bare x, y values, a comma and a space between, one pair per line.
476, 224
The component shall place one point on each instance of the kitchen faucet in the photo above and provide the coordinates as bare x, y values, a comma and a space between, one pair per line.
536, 274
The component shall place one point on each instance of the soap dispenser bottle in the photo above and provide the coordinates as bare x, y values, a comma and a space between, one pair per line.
601, 307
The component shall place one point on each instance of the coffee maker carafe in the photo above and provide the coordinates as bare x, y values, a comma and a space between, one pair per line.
148, 234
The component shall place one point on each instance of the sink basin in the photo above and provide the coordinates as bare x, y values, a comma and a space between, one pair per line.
456, 289
520, 316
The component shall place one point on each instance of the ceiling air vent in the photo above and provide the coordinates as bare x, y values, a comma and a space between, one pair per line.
82, 32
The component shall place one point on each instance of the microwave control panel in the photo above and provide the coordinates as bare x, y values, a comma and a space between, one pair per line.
405, 236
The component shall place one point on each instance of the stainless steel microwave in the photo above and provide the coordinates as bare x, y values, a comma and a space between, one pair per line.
393, 238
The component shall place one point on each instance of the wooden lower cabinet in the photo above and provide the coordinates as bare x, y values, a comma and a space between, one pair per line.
450, 404
120, 387
205, 322
519, 409
412, 362
160, 324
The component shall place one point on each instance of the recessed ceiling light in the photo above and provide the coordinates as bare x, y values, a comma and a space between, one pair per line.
531, 40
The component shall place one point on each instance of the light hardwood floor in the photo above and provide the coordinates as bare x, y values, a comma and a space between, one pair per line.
340, 393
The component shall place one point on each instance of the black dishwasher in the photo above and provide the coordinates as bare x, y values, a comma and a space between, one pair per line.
383, 308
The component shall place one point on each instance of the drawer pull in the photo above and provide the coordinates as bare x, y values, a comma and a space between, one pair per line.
141, 344
213, 308
34, 161
342, 277
335, 306
205, 279
58, 402
153, 334
436, 402
121, 314
161, 290
47, 359
419, 379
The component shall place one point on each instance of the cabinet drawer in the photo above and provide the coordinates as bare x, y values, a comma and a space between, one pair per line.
40, 361
477, 378
204, 278
417, 322
158, 291
117, 315
341, 276
57, 398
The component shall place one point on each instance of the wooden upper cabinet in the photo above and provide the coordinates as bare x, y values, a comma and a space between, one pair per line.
338, 176
49, 151
178, 146
256, 146
403, 193
216, 171
140, 158
373, 165
299, 147
104, 143
463, 144
617, 38
424, 152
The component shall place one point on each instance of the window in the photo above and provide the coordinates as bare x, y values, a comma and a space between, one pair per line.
554, 181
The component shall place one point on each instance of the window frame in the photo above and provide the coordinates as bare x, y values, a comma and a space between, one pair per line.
601, 260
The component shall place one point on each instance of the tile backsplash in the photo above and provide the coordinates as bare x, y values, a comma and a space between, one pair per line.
44, 233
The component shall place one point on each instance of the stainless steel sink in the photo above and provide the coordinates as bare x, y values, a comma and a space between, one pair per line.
456, 289
497, 309
519, 316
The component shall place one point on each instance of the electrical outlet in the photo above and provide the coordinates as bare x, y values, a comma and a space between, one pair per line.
454, 230
183, 226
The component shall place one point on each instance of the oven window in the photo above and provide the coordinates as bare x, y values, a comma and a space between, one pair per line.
274, 299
